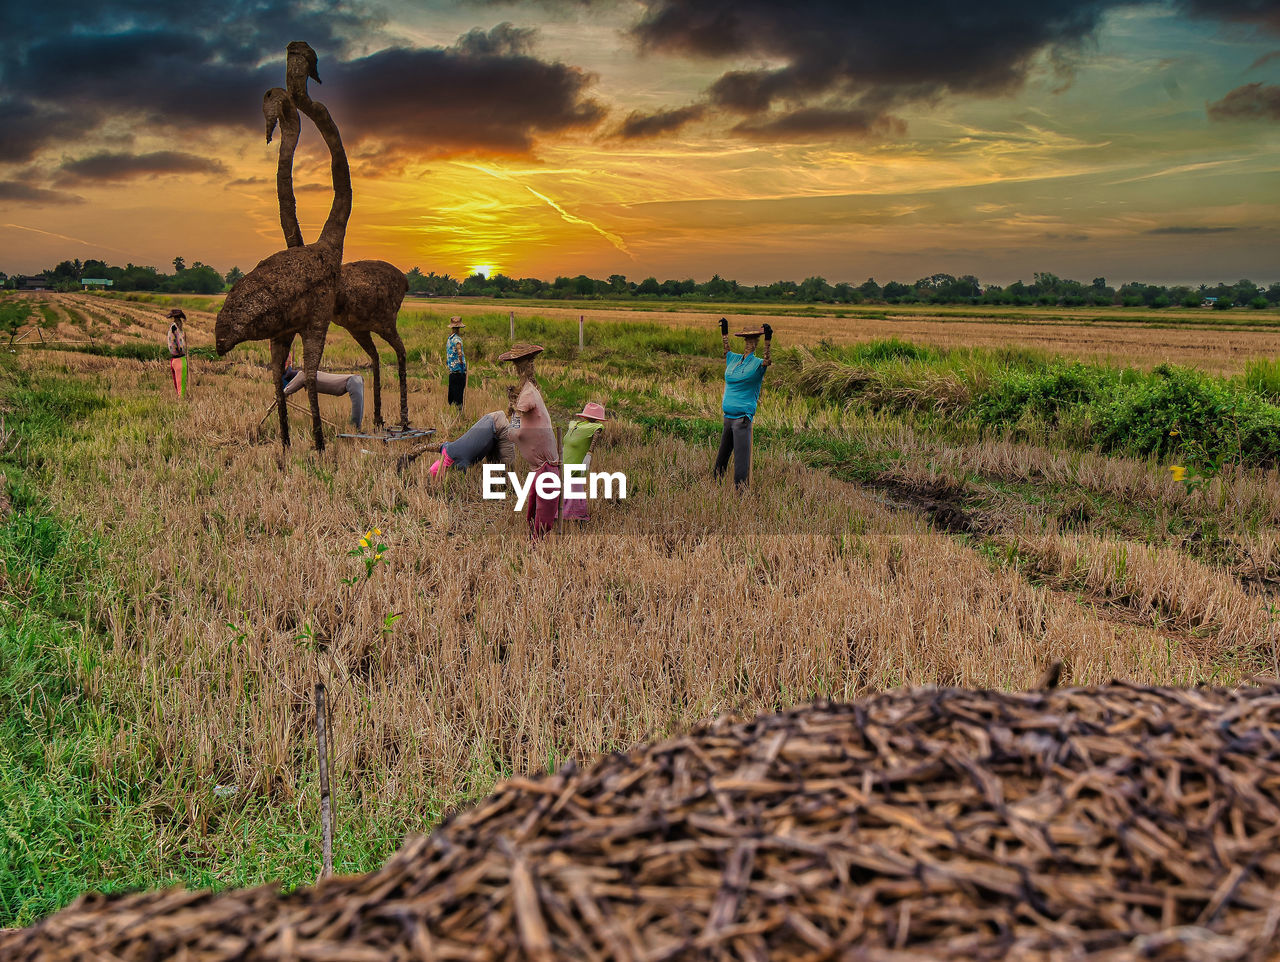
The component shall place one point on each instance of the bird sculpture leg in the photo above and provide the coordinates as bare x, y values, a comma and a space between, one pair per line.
392, 337
279, 354
365, 340
312, 349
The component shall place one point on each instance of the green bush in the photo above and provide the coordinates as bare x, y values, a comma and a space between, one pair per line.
1178, 411
1045, 393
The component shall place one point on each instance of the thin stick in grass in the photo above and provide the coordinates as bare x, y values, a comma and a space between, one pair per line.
326, 804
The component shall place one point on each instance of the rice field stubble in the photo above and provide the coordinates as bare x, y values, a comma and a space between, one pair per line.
468, 656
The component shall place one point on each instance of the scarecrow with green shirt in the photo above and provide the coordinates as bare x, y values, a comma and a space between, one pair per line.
578, 441
743, 376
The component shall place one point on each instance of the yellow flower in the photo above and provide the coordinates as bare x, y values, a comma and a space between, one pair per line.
364, 542
1173, 433
378, 532
1178, 471
378, 556
368, 535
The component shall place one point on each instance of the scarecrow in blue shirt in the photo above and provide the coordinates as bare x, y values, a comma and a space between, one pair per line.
457, 361
743, 377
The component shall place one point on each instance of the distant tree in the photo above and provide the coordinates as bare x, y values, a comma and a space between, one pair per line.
179, 265
815, 289
870, 290
895, 293
233, 275
649, 285
1273, 294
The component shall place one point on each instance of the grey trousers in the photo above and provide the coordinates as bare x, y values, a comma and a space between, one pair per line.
735, 439
475, 445
355, 387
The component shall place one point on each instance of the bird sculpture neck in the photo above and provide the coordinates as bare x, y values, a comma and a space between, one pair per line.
278, 108
334, 232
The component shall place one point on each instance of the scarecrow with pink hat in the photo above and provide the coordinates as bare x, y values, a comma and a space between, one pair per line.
578, 441
743, 377
533, 434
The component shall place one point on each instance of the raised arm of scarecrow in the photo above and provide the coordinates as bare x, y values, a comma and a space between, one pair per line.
765, 358
724, 334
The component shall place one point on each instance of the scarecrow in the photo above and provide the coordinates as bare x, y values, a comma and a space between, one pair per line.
334, 385
533, 435
743, 376
578, 441
178, 351
486, 441
457, 361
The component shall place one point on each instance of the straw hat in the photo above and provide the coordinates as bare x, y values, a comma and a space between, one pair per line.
176, 312
756, 333
456, 322
593, 411
519, 352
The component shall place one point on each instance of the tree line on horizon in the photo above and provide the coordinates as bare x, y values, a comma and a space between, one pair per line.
1046, 289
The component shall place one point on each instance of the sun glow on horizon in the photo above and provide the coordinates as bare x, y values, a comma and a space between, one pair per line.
488, 270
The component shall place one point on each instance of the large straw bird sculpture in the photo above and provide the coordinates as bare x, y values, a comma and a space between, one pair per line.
295, 291
369, 292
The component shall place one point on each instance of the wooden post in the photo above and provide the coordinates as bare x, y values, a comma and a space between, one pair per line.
580, 344
513, 326
560, 496
326, 807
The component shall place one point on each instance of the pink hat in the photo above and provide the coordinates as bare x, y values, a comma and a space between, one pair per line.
594, 411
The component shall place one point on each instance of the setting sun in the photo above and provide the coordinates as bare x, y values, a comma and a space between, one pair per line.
488, 270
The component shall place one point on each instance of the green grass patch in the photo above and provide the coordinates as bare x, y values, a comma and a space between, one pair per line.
1170, 412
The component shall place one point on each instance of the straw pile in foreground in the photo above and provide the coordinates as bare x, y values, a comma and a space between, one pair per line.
1111, 823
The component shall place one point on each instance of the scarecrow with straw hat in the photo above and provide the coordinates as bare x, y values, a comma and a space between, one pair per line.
743, 376
178, 351
578, 441
457, 361
533, 434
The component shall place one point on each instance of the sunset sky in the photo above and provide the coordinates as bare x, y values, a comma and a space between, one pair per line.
677, 138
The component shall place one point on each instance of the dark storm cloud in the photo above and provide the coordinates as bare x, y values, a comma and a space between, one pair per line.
15, 191
806, 122
108, 166
503, 40
448, 100
639, 124
1178, 230
842, 65
905, 50
185, 68
1264, 14
25, 128
1255, 101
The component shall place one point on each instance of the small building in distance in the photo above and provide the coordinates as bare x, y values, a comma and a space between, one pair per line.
37, 282
1209, 302
95, 283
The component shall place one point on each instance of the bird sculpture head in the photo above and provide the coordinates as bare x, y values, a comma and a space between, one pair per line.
300, 63
277, 108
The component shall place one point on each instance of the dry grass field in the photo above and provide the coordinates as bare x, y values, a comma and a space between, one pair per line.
1210, 340
873, 550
